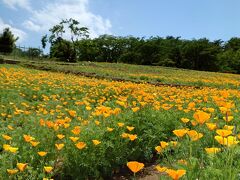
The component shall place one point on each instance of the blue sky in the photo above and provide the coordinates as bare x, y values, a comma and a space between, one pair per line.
214, 19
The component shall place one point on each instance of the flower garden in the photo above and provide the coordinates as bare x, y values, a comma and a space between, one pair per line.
58, 126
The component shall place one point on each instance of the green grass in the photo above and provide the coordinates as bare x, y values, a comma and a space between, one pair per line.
138, 73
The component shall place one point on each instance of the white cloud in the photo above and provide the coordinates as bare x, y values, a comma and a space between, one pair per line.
25, 4
30, 25
17, 32
57, 10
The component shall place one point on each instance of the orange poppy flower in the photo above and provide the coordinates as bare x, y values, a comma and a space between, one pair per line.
80, 145
176, 174
132, 137
211, 126
180, 132
194, 135
34, 143
135, 109
76, 130
163, 144
28, 138
42, 153
201, 117
21, 166
135, 166
72, 113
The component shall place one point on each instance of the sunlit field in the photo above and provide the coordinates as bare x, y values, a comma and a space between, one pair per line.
139, 73
62, 126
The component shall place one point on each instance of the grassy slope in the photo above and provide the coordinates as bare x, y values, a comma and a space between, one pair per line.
139, 73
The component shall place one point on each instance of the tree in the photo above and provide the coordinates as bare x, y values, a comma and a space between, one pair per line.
233, 44
56, 37
44, 41
7, 41
201, 54
62, 50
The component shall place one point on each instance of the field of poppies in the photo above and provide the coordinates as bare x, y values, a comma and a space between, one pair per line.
58, 126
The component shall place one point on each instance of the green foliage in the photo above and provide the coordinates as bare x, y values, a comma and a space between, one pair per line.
198, 54
61, 48
7, 41
102, 161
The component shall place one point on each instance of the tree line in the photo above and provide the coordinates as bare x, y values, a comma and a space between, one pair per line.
71, 43
196, 54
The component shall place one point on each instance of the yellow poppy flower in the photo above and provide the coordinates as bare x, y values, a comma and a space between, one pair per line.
74, 139
159, 149
110, 129
228, 118
227, 141
120, 124
161, 169
13, 149
185, 120
59, 146
130, 128
6, 137
212, 150
124, 135
223, 132
230, 128
12, 171
48, 169
96, 142
60, 136
6, 147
